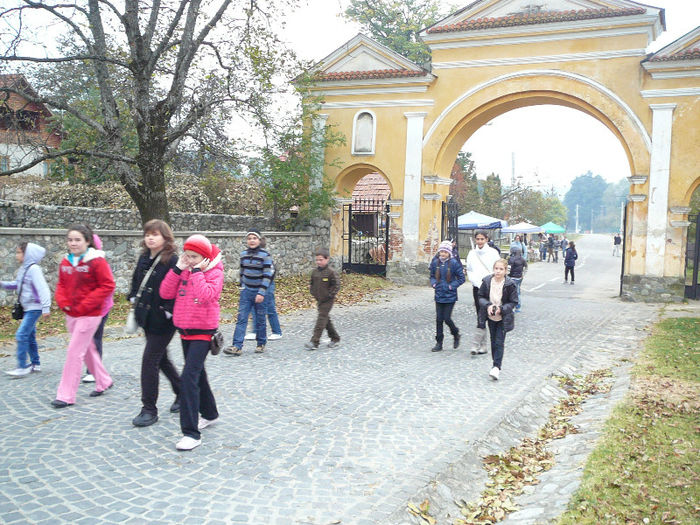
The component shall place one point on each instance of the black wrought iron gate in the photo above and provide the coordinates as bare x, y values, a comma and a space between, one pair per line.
692, 258
450, 228
366, 236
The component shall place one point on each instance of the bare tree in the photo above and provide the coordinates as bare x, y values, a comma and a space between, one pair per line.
156, 69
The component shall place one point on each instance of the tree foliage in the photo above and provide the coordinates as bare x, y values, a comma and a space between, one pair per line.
159, 71
397, 23
587, 192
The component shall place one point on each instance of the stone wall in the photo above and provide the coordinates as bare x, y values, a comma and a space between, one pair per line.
20, 215
647, 289
291, 251
406, 272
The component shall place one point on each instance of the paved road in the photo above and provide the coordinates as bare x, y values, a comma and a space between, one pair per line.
347, 435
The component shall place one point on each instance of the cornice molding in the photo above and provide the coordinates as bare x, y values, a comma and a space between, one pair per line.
377, 104
432, 196
636, 197
567, 57
370, 91
637, 179
680, 224
433, 179
661, 75
680, 210
678, 92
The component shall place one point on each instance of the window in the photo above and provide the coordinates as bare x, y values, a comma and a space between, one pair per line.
363, 135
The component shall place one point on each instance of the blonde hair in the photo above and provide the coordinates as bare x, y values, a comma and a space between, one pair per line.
503, 262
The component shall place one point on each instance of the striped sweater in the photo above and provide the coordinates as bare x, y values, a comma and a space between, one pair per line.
256, 270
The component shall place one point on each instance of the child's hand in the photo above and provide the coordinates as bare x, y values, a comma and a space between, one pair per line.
181, 264
202, 264
259, 298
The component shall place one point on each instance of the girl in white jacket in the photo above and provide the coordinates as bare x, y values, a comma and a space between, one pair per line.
480, 261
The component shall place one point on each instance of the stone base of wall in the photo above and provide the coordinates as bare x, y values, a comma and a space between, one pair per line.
412, 273
647, 289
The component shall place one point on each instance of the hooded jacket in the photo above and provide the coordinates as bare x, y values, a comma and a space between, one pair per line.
84, 284
517, 264
36, 294
508, 302
196, 295
480, 263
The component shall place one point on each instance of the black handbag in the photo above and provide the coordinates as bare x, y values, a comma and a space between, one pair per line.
216, 343
18, 309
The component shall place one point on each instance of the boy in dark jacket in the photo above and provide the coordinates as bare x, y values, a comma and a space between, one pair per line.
517, 265
324, 286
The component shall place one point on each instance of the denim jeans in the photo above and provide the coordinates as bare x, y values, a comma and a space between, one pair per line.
443, 314
498, 341
270, 310
246, 304
518, 282
26, 339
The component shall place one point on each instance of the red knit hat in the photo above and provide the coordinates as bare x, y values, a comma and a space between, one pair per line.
199, 244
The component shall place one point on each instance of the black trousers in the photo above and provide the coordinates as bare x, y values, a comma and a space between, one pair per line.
155, 358
475, 293
97, 336
568, 269
443, 314
498, 341
196, 396
323, 322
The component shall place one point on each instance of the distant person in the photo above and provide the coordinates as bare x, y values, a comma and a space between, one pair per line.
570, 262
550, 248
324, 286
480, 264
543, 249
517, 265
617, 243
269, 306
497, 299
494, 246
520, 245
34, 296
446, 275
564, 246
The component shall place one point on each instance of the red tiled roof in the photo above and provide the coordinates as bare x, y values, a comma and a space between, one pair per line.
544, 17
377, 73
688, 54
371, 186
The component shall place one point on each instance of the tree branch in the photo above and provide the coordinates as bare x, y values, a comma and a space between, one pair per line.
66, 153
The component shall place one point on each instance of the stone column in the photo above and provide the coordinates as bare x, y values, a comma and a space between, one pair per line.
659, 171
319, 127
412, 183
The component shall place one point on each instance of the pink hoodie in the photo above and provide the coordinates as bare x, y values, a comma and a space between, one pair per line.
109, 302
196, 294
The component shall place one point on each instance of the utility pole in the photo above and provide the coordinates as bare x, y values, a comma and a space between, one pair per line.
591, 219
622, 215
576, 229
512, 172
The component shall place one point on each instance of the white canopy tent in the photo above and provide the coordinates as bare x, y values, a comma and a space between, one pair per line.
522, 227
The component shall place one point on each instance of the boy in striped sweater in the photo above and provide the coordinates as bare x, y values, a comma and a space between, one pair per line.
255, 275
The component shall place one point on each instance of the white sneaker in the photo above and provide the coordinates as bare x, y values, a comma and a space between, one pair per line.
274, 337
188, 443
204, 423
19, 372
494, 373
36, 368
249, 337
89, 378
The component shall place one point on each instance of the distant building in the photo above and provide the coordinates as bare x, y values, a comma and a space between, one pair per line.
24, 127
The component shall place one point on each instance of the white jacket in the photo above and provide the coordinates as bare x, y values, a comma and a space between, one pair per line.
480, 263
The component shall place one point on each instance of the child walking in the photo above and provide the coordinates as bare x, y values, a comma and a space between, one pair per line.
35, 298
324, 286
269, 306
570, 262
155, 315
195, 284
498, 296
84, 283
446, 275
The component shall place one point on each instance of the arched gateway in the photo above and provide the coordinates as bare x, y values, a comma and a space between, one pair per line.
408, 122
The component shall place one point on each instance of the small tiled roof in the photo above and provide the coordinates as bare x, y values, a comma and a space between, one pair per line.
371, 186
686, 54
543, 17
377, 73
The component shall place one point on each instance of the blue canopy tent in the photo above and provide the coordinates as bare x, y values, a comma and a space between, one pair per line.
479, 221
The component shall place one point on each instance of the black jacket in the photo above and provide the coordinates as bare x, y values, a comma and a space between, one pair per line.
517, 265
508, 302
150, 309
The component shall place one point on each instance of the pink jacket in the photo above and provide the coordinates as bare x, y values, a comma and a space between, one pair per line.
196, 294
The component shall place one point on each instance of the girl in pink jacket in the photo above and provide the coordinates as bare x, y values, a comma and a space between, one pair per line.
195, 284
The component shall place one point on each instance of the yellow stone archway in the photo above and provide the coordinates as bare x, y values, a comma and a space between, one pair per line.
494, 56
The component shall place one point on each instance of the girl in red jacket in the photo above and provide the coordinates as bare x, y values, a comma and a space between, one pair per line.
84, 283
195, 284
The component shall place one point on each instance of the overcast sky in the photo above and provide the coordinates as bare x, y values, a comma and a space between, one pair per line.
552, 145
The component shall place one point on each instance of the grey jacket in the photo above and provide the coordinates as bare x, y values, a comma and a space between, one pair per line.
36, 294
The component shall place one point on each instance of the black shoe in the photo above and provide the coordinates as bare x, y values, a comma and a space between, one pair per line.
455, 344
437, 348
97, 393
144, 419
175, 407
57, 403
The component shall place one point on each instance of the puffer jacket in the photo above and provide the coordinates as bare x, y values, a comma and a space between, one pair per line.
36, 294
196, 295
446, 290
84, 284
571, 256
508, 302
151, 308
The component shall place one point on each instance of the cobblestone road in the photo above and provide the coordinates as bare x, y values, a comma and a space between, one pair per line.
345, 435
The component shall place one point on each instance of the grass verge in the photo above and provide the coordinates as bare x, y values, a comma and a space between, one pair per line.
646, 468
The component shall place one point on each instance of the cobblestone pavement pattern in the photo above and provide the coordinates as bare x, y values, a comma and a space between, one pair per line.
346, 435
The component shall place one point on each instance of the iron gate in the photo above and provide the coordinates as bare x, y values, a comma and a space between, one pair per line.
692, 258
366, 236
450, 228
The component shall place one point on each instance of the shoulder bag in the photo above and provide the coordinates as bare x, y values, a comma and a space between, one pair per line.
18, 309
131, 325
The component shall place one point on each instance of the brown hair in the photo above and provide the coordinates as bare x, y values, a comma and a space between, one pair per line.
85, 231
22, 247
156, 225
323, 252
449, 271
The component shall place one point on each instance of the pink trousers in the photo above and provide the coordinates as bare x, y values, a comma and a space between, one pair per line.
81, 348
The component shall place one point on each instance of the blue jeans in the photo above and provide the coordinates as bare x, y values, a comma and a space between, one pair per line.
518, 282
26, 339
246, 304
498, 340
270, 310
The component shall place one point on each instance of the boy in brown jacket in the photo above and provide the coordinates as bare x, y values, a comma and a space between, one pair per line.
325, 284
